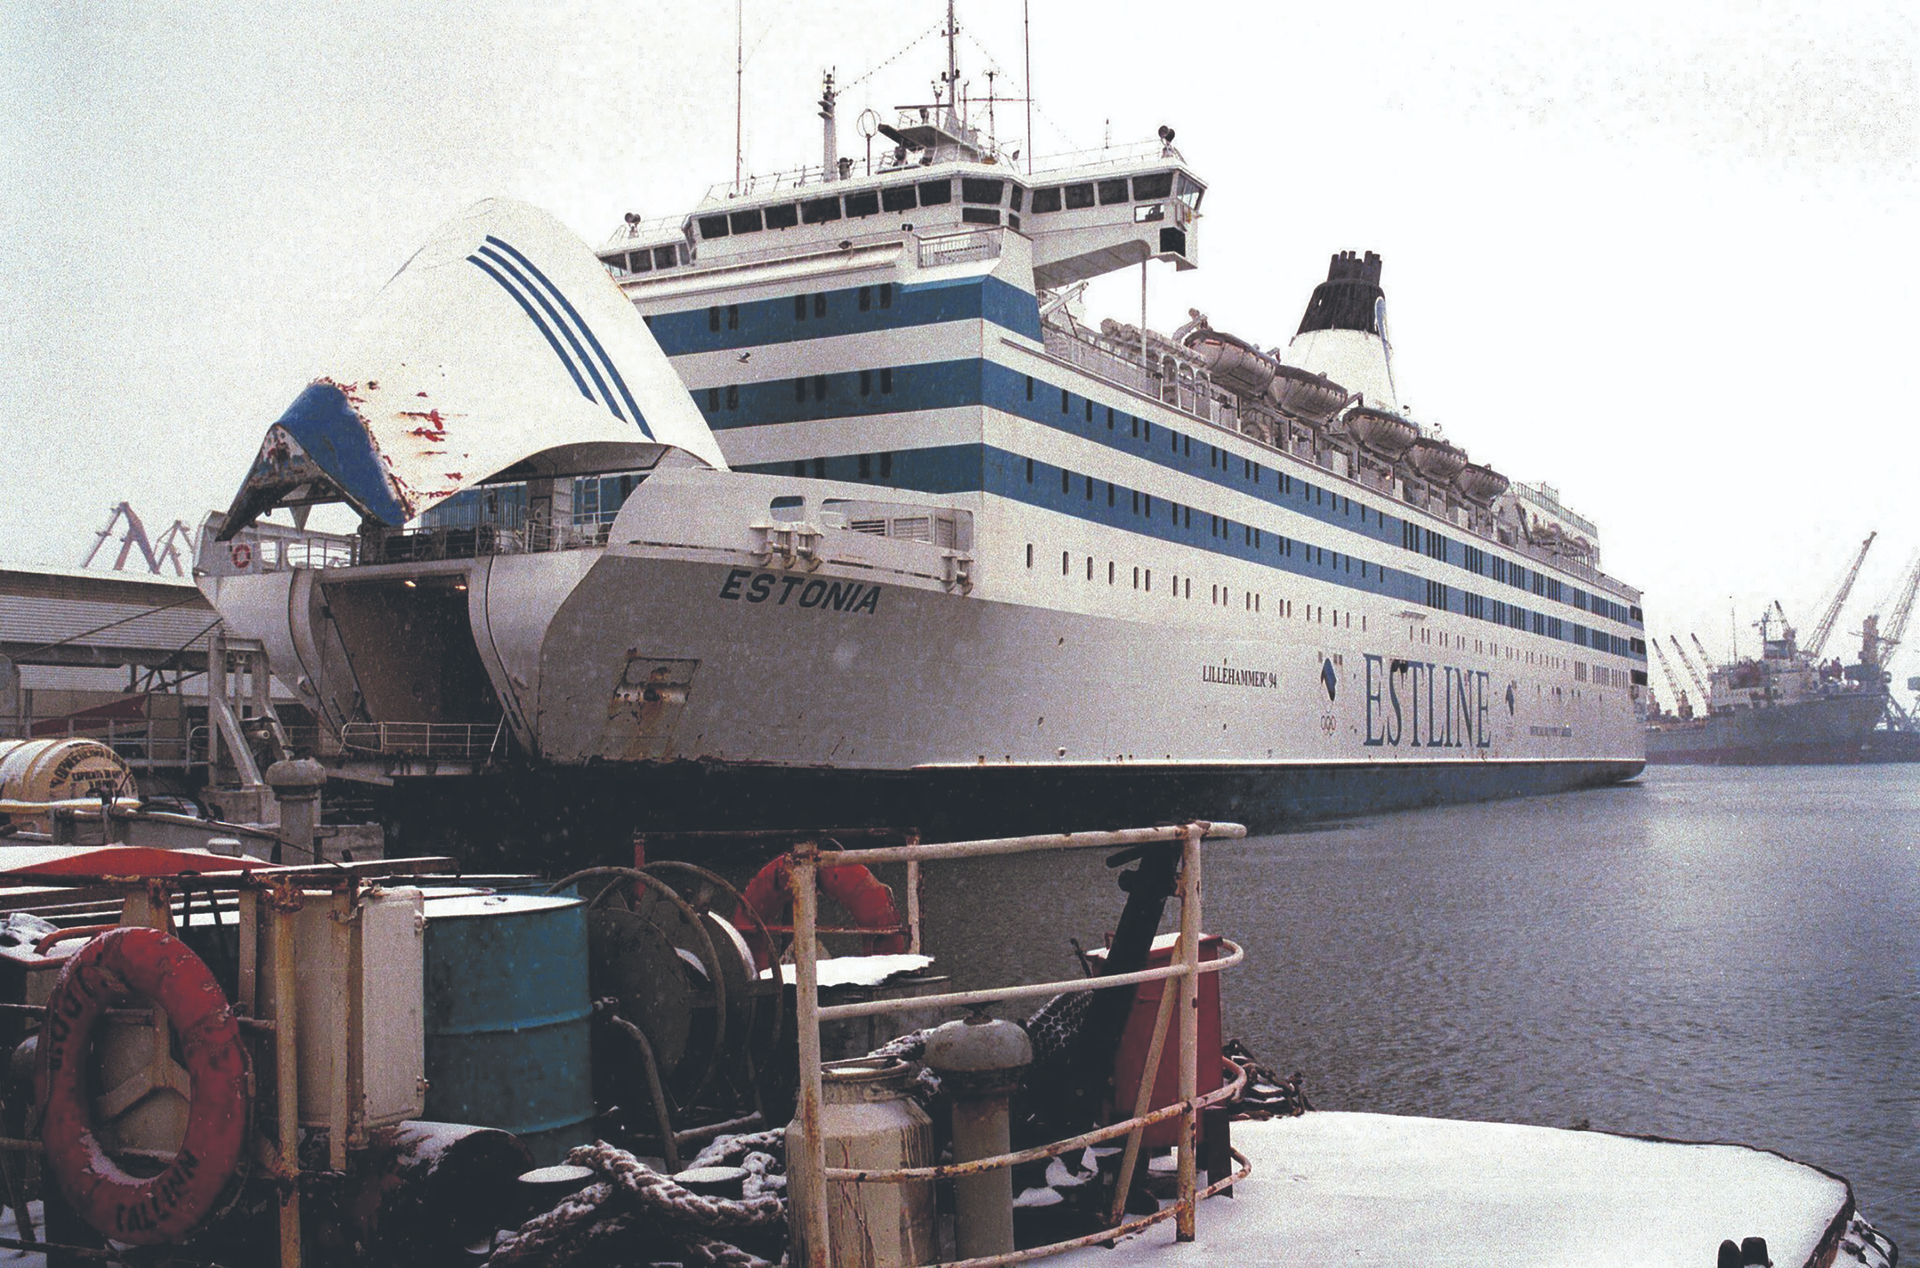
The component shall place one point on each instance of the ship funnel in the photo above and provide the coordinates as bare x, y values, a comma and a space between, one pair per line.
502, 349
1344, 332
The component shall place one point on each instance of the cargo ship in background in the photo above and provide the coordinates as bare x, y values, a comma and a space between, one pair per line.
824, 503
1788, 706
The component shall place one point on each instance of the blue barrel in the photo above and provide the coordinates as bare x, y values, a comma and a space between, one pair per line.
508, 1042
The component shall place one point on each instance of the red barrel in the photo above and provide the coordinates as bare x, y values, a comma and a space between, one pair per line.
1131, 1059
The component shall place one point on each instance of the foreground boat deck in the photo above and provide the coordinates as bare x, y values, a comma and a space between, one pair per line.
1340, 1188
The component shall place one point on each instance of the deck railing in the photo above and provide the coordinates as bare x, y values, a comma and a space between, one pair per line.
460, 741
808, 1217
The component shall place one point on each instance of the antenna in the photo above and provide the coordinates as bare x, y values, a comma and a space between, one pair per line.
953, 63
739, 87
1026, 33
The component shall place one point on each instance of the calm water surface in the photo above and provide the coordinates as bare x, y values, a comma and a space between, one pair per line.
1707, 955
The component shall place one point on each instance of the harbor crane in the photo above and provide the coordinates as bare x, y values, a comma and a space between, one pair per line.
1875, 645
1681, 707
1700, 647
1823, 628
1699, 679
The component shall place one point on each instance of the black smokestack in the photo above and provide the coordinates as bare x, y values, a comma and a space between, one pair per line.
1350, 297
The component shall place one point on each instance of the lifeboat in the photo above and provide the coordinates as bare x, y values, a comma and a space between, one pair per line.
1437, 460
1311, 397
1381, 431
1232, 363
1479, 484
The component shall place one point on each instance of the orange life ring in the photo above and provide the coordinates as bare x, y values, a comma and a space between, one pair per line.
163, 969
868, 901
241, 553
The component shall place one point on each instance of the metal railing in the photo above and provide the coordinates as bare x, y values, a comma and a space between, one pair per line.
464, 741
960, 248
808, 1218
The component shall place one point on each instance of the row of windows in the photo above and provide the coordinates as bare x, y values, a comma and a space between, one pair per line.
976, 193
645, 260
1182, 588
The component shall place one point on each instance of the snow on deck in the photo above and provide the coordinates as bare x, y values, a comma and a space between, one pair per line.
1352, 1189
859, 970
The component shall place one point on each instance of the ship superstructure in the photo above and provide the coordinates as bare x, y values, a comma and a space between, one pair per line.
968, 557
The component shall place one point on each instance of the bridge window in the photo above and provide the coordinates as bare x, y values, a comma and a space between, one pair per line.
933, 193
864, 204
818, 211
745, 221
785, 216
980, 215
1158, 185
897, 198
1079, 196
713, 226
1015, 196
975, 190
1113, 191
1046, 200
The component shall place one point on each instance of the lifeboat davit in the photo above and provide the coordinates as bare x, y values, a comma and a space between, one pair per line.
1437, 460
1381, 431
1480, 484
1233, 363
1310, 397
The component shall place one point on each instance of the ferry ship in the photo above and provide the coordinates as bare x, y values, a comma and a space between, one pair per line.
824, 503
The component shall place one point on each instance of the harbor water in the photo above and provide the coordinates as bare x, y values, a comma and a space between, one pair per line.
1706, 954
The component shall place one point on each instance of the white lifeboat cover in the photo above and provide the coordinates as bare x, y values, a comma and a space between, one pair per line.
502, 343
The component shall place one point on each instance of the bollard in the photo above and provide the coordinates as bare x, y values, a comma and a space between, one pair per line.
979, 1061
296, 784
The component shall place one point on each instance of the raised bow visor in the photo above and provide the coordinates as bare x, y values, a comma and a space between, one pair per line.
502, 350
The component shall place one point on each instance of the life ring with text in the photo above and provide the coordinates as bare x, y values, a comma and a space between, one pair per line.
166, 1207
869, 902
241, 554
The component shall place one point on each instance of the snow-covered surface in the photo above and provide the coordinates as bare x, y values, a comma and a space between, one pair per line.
1332, 1188
860, 970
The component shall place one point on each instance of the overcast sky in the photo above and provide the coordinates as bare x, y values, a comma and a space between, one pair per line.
1660, 255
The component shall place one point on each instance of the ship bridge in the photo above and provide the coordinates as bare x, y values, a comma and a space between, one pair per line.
1086, 214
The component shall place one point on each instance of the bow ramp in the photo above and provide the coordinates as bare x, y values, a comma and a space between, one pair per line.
501, 351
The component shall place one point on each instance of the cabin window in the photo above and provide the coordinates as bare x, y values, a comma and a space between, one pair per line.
886, 294
1089, 488
980, 215
1029, 471
1109, 493
745, 221
1064, 566
897, 198
1064, 477
799, 307
1015, 196
1109, 418
866, 466
733, 396
713, 226
1063, 400
886, 381
866, 298
819, 468
733, 316
1158, 185
866, 382
1190, 192
818, 211
973, 189
1089, 405
863, 204
819, 387
820, 304
800, 390
1046, 200
933, 193
785, 216
713, 399
1029, 387
665, 257
640, 262
1113, 191
713, 317
1079, 196
1029, 554
1013, 222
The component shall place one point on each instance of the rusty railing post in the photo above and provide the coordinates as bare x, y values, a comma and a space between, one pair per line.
812, 1215
1190, 898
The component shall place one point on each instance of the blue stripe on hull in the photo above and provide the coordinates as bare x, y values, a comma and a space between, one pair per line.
588, 815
